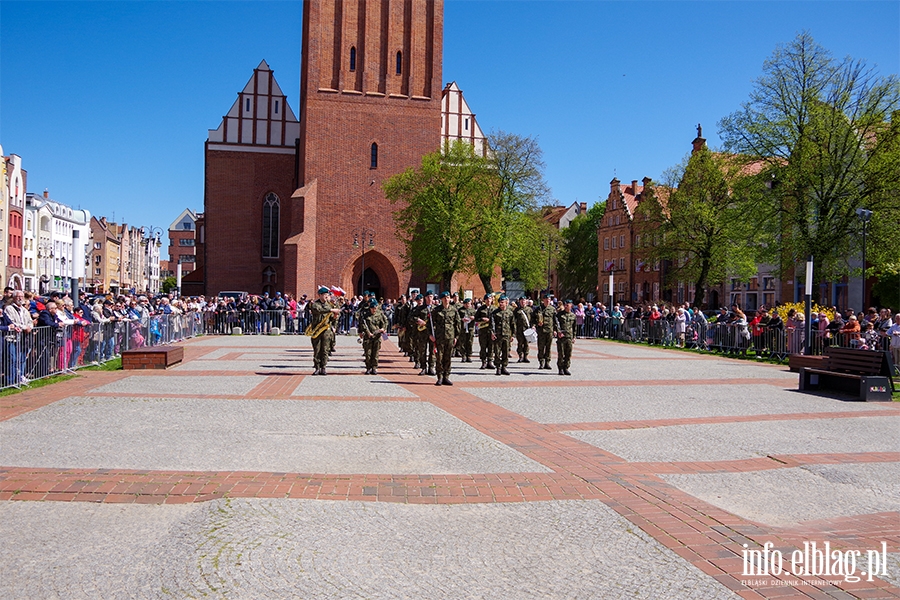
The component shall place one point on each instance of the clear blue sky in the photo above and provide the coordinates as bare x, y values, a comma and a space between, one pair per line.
109, 103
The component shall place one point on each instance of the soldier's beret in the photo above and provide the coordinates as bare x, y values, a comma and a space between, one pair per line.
569, 301
373, 303
467, 300
486, 296
420, 297
503, 297
444, 295
546, 295
429, 293
323, 290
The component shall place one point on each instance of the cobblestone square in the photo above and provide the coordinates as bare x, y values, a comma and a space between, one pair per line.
240, 475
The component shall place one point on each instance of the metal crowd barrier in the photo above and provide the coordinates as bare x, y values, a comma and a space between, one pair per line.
46, 351
49, 351
767, 342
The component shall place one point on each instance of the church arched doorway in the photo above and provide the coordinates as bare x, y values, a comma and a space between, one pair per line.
380, 275
368, 282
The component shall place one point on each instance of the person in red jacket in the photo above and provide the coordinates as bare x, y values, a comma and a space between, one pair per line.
79, 336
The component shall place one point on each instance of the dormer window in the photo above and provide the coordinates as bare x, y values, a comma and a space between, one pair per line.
352, 58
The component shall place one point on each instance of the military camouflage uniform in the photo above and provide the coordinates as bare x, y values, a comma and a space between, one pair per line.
523, 322
446, 329
503, 326
369, 328
565, 325
324, 342
467, 333
424, 347
543, 323
486, 352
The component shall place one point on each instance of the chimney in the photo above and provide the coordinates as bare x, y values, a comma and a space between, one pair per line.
583, 207
46, 194
634, 189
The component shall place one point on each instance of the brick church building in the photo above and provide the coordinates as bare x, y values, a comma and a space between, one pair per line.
293, 203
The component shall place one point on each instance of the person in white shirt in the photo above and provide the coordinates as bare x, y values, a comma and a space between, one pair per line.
894, 333
21, 323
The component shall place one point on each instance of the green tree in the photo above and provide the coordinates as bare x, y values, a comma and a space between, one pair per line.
883, 232
440, 208
517, 189
168, 284
697, 222
817, 131
522, 256
578, 262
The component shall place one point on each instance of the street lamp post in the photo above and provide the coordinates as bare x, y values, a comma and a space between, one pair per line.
549, 247
359, 241
44, 251
865, 216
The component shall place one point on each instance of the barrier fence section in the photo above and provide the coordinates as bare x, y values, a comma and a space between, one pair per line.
46, 351
49, 351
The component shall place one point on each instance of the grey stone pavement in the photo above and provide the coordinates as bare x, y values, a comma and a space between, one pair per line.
640, 476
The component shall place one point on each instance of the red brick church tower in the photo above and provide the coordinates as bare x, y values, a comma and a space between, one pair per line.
370, 107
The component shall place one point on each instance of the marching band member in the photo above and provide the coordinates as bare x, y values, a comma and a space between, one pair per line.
544, 317
322, 314
467, 335
564, 327
523, 322
483, 322
503, 327
371, 327
445, 327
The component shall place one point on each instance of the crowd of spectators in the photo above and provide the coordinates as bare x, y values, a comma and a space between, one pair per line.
54, 333
46, 334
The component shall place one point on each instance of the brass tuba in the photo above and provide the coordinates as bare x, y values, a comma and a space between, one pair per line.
320, 327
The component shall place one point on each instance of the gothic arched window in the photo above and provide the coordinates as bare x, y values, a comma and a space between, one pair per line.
352, 58
270, 226
373, 162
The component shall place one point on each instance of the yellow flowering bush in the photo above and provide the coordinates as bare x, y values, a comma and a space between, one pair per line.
800, 307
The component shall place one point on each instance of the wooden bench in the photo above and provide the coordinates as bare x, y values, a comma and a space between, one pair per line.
156, 357
796, 361
863, 373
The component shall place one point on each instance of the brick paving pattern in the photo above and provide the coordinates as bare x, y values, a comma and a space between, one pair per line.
646, 474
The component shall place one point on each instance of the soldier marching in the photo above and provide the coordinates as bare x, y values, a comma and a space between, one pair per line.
431, 333
323, 315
